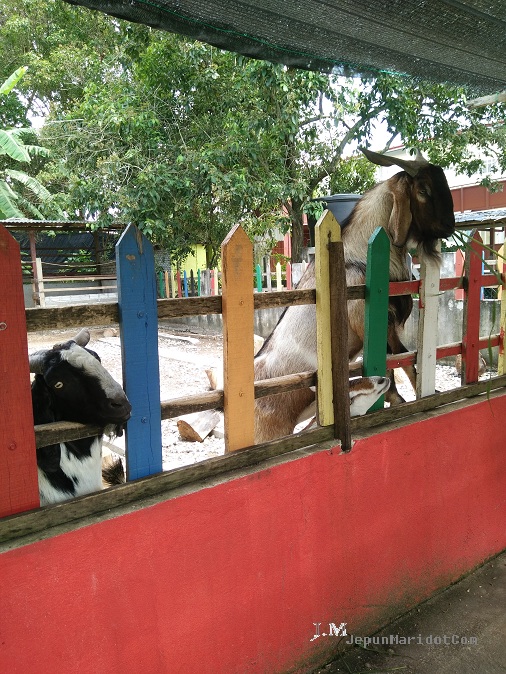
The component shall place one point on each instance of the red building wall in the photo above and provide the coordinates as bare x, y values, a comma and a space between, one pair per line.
477, 198
230, 579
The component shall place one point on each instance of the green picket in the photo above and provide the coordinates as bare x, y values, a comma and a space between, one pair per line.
258, 272
376, 307
161, 284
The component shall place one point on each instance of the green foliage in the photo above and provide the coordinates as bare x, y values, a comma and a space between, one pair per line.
21, 195
64, 47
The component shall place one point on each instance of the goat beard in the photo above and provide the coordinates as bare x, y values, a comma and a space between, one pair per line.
424, 246
428, 248
113, 431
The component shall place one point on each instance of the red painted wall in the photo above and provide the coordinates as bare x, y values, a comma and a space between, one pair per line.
230, 579
478, 198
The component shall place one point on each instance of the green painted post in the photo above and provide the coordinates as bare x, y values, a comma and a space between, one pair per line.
376, 307
258, 270
161, 284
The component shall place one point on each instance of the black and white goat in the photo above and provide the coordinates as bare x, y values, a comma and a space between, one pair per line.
71, 384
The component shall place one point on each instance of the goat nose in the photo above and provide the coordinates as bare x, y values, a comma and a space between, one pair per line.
120, 406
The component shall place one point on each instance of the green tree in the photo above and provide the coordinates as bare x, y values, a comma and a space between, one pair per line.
186, 140
64, 47
21, 195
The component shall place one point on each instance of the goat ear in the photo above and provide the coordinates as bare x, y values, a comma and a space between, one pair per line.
400, 216
36, 361
411, 166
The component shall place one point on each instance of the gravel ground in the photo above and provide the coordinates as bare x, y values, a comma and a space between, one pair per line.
184, 357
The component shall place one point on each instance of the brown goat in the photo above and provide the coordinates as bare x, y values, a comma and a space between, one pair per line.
415, 208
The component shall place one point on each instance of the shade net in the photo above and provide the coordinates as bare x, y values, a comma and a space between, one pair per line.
458, 42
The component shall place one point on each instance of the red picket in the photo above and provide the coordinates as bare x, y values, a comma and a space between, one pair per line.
288, 276
19, 489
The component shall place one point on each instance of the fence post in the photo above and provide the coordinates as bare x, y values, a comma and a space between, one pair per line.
501, 268
39, 283
268, 276
173, 282
288, 276
161, 284
471, 314
19, 489
327, 231
238, 345
459, 271
339, 340
205, 281
279, 282
139, 347
427, 326
376, 307
258, 273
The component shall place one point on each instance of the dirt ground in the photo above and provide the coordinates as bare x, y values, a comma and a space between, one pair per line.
184, 356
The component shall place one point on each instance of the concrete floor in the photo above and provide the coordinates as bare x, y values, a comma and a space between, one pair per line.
473, 607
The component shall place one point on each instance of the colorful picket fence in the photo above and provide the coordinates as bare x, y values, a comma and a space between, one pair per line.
138, 311
207, 282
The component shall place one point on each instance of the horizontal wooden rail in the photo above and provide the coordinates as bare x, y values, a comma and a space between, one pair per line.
36, 522
396, 288
48, 434
62, 431
444, 351
107, 312
75, 289
72, 279
76, 316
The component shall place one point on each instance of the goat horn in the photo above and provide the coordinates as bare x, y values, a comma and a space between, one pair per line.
83, 337
36, 361
411, 166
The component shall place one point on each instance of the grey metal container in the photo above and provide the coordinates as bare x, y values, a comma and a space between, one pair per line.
340, 205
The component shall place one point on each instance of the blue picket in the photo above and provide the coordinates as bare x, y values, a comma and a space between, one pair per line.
139, 344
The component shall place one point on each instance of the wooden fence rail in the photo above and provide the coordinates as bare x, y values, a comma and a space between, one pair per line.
138, 312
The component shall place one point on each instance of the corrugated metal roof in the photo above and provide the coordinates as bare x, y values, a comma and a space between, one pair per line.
44, 225
494, 216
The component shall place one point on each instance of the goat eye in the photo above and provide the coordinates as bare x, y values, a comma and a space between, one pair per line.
59, 384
